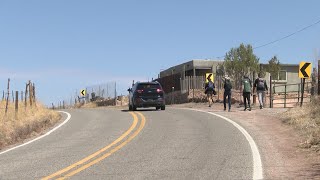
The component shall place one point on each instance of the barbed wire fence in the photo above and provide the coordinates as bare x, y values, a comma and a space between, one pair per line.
104, 94
104, 91
18, 100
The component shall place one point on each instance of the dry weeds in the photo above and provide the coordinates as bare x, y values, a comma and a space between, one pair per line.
89, 105
307, 120
27, 123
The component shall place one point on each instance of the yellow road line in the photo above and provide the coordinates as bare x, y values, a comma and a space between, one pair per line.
134, 124
142, 124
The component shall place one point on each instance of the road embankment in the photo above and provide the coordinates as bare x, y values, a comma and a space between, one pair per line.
28, 122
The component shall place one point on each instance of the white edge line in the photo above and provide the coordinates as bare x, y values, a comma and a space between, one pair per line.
257, 163
40, 137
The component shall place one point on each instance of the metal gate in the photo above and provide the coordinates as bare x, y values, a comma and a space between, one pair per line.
290, 95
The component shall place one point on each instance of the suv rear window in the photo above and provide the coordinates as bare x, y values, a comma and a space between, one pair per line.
148, 86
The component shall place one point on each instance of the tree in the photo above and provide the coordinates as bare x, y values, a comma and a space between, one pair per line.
241, 61
262, 71
274, 67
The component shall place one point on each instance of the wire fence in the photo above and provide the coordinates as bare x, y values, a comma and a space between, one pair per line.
101, 91
18, 99
105, 93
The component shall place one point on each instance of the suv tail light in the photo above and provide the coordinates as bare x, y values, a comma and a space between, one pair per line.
159, 90
140, 91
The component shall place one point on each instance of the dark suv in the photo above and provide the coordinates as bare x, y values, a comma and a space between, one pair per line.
146, 94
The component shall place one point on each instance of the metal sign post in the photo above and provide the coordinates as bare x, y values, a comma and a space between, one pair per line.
304, 72
302, 91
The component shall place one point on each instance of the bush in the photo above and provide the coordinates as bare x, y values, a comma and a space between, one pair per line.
307, 120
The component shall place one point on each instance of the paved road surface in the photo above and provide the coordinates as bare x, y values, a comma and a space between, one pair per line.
172, 144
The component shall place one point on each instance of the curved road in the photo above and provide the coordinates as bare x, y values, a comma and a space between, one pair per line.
147, 144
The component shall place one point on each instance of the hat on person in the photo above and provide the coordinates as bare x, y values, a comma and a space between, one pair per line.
226, 77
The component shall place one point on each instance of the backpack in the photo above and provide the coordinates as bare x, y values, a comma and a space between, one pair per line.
227, 85
247, 85
210, 85
260, 84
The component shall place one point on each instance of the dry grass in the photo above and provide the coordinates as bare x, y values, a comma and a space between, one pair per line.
90, 105
27, 123
307, 121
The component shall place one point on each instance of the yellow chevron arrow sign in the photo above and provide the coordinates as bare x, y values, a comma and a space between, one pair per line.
83, 92
305, 70
209, 76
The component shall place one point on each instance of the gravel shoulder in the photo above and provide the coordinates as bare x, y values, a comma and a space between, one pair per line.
278, 143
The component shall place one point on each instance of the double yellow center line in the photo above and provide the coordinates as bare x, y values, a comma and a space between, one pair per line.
99, 156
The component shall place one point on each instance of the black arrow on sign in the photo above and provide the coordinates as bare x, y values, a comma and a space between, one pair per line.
209, 77
303, 70
82, 92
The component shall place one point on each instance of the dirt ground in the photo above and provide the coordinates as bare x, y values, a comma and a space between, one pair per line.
278, 143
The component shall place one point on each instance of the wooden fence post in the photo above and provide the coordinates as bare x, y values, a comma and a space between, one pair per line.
285, 96
21, 96
2, 95
17, 104
12, 96
271, 95
34, 94
218, 85
30, 93
87, 95
319, 77
25, 96
8, 88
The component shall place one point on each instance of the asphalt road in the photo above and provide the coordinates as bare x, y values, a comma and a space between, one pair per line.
171, 144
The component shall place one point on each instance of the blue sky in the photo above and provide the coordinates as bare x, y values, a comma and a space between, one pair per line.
64, 45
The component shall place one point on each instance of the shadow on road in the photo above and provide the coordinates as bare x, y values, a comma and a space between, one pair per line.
142, 110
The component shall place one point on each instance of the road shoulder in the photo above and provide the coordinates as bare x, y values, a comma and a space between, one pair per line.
278, 143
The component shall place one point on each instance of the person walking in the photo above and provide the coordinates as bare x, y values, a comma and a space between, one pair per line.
209, 90
246, 86
261, 86
227, 93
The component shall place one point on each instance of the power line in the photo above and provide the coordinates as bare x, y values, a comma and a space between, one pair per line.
287, 36
284, 37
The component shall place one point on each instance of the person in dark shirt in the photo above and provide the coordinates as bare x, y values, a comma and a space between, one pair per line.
260, 85
210, 91
227, 93
247, 91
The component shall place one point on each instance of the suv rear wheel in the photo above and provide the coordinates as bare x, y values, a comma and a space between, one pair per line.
163, 108
134, 108
130, 107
